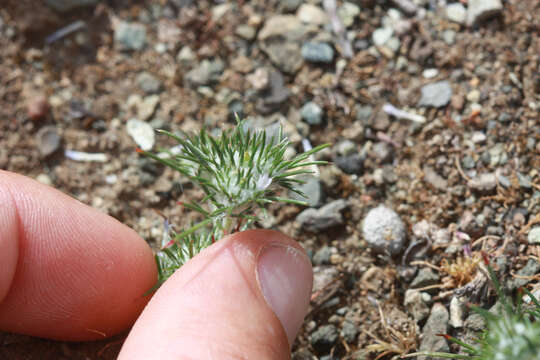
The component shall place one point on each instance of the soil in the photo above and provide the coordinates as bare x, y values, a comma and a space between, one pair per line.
463, 181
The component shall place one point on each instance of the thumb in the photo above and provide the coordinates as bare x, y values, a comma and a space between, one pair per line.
244, 297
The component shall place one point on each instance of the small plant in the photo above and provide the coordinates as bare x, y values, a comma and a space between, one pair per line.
239, 173
511, 335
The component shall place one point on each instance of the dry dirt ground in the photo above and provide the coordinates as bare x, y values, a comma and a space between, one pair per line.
463, 177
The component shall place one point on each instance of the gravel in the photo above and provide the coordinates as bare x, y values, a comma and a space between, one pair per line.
317, 52
48, 140
312, 113
142, 133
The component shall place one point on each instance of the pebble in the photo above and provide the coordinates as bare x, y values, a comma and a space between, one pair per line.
436, 94
348, 13
186, 56
246, 31
142, 133
130, 36
148, 83
68, 5
433, 178
312, 113
313, 190
437, 323
44, 179
147, 107
534, 235
384, 231
350, 164
415, 304
206, 73
290, 5
425, 277
483, 182
311, 14
38, 107
349, 331
280, 39
381, 35
318, 52
324, 338
346, 147
48, 140
322, 256
430, 73
326, 217
473, 96
324, 276
456, 12
479, 10
382, 151
84, 156
259, 79
457, 310
277, 93
449, 36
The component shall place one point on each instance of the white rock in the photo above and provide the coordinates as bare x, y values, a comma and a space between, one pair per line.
381, 36
479, 10
456, 12
311, 14
430, 73
142, 133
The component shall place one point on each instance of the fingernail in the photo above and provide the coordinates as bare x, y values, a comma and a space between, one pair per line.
285, 278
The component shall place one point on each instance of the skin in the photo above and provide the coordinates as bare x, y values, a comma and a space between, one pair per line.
69, 272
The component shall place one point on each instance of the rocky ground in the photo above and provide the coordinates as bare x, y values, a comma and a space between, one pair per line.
431, 107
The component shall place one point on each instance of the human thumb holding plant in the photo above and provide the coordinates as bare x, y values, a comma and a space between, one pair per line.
70, 272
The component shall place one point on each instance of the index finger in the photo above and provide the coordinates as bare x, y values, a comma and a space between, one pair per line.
67, 271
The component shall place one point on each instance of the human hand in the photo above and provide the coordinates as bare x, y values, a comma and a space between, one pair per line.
70, 272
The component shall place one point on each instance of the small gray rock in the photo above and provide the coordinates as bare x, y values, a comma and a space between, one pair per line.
534, 236
437, 323
425, 277
349, 331
312, 113
148, 83
480, 10
290, 5
324, 338
206, 73
382, 151
324, 276
318, 52
436, 94
322, 256
68, 5
285, 55
321, 219
48, 140
350, 164
415, 305
483, 182
384, 231
246, 32
130, 36
531, 268
313, 190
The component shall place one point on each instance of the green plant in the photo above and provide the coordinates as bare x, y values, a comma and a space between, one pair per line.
514, 334
239, 173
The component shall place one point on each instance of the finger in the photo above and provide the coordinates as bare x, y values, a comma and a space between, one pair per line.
67, 271
244, 297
